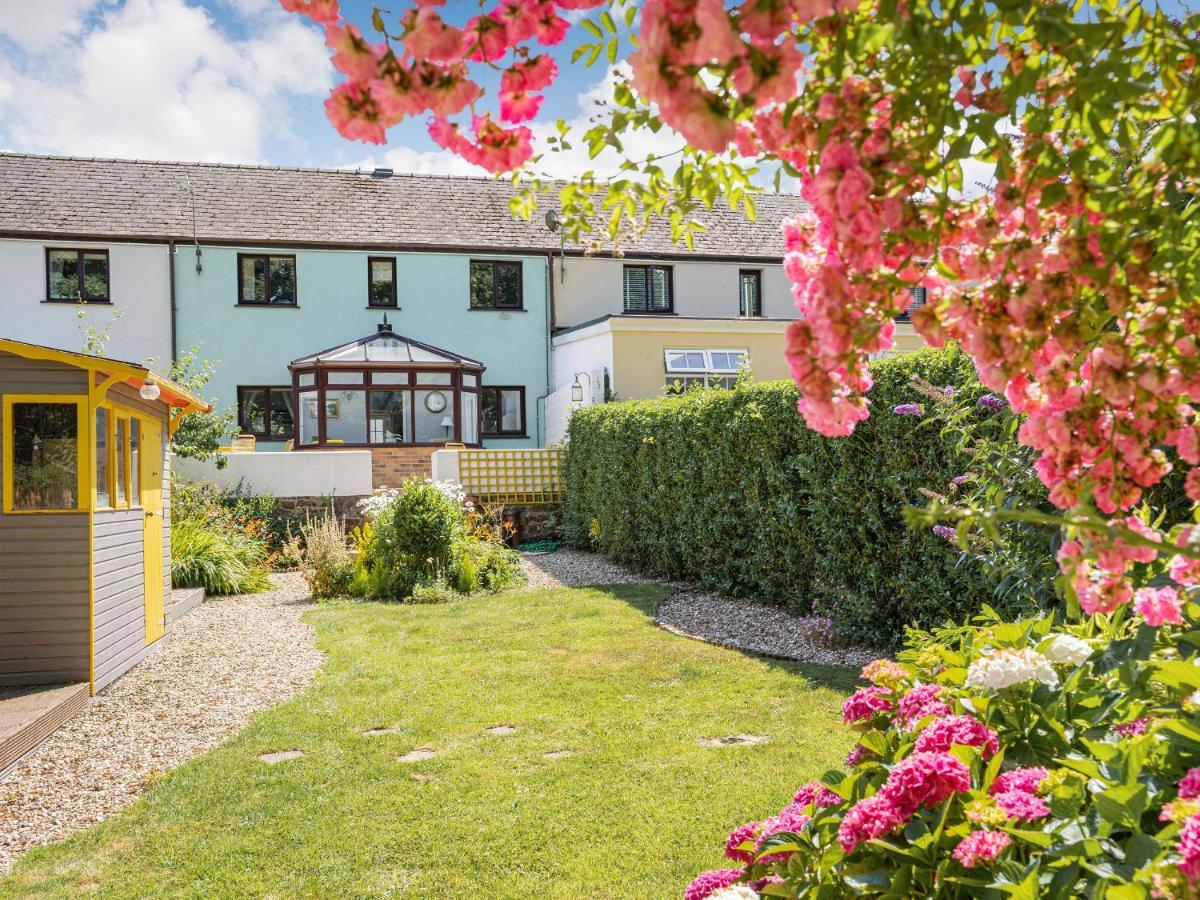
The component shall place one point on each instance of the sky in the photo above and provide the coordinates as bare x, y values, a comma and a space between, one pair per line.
225, 81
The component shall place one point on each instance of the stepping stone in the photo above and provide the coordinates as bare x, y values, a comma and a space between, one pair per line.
558, 754
560, 651
418, 777
502, 729
734, 740
281, 756
417, 755
373, 732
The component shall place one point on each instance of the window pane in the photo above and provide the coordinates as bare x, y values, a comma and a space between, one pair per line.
254, 405
470, 380
389, 378
389, 421
253, 279
120, 458
280, 424
510, 411
383, 282
64, 275
283, 280
45, 455
95, 276
307, 433
749, 302
433, 378
508, 284
345, 378
491, 410
135, 461
660, 285
102, 457
482, 286
502, 412
307, 380
635, 288
435, 416
470, 417
346, 417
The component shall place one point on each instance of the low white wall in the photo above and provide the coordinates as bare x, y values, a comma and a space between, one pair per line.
444, 464
313, 473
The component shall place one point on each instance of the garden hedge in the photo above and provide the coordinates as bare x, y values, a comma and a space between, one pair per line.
728, 488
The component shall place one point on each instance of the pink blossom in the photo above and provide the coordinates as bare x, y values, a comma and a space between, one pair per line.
1024, 779
355, 114
323, 12
920, 702
868, 819
864, 703
1133, 727
883, 671
980, 846
743, 834
925, 779
520, 106
1159, 606
858, 755
1189, 785
429, 38
815, 792
791, 818
1189, 849
711, 882
942, 734
352, 54
1022, 805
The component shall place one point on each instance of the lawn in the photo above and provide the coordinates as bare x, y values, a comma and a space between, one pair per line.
635, 811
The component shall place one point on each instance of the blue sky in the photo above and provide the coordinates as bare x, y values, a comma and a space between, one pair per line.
214, 80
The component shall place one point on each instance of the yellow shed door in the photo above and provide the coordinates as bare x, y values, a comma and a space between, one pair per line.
151, 464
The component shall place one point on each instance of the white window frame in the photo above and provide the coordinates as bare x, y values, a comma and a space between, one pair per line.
709, 372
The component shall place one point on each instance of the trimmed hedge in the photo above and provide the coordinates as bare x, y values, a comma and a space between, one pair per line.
730, 489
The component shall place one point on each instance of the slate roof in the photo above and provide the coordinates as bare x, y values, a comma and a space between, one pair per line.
264, 205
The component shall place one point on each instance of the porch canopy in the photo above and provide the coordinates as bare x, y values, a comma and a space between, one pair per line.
385, 390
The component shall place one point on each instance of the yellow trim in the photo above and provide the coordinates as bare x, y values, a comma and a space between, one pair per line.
83, 454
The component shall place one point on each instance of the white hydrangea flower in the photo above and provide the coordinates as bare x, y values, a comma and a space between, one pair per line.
1004, 668
734, 892
1068, 650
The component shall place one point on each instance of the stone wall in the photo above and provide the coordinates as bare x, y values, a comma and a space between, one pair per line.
391, 465
300, 509
537, 521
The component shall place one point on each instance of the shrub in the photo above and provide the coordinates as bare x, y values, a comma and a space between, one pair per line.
221, 560
728, 487
436, 591
328, 565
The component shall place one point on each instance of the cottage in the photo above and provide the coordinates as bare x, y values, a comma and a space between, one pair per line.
84, 529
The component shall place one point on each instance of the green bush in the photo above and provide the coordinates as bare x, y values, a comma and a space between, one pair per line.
729, 488
221, 560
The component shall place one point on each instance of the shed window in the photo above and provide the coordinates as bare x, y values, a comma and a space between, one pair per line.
135, 461
495, 285
750, 292
42, 455
381, 281
503, 411
77, 275
648, 289
266, 280
266, 412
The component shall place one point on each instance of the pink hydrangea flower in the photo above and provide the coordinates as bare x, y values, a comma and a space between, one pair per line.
857, 755
815, 792
942, 734
743, 834
868, 819
1189, 848
1022, 805
864, 703
883, 671
711, 882
925, 779
1133, 727
1026, 780
791, 818
980, 845
1189, 785
1159, 606
920, 702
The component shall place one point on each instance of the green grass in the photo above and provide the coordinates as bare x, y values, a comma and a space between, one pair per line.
637, 811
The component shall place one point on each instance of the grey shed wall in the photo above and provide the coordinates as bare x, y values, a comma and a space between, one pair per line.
44, 600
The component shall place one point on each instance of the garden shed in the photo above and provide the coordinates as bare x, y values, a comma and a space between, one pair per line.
84, 526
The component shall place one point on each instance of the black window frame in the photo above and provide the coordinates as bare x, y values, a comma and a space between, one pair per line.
80, 252
267, 280
647, 269
495, 265
395, 301
757, 275
920, 298
267, 389
524, 429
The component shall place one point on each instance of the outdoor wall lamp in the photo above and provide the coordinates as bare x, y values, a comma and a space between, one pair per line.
150, 390
577, 388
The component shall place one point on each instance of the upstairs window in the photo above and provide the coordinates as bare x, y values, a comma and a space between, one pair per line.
77, 275
495, 285
703, 368
381, 281
919, 295
266, 280
648, 289
266, 412
750, 292
503, 411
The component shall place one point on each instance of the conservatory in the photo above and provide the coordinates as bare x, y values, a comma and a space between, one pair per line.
385, 390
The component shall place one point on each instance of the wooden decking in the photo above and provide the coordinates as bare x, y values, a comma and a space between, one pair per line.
29, 715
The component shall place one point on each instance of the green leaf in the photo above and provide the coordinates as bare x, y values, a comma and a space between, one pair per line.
593, 28
1123, 804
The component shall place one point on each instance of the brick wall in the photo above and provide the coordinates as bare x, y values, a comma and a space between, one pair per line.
391, 465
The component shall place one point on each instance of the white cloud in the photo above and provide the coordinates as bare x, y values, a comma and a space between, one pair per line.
160, 79
40, 23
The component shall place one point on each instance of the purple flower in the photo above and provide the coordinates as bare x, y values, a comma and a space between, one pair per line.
992, 402
948, 390
945, 532
959, 480
909, 409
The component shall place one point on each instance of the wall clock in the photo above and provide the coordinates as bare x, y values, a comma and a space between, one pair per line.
435, 401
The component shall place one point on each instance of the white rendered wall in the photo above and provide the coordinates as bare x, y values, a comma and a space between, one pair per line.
299, 473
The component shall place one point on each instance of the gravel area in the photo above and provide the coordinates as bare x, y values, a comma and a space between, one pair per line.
228, 659
728, 621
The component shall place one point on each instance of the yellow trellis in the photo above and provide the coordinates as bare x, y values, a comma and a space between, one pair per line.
512, 476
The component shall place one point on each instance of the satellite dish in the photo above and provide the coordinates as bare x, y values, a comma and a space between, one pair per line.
552, 220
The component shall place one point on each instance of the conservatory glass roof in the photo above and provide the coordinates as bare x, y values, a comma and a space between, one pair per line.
387, 348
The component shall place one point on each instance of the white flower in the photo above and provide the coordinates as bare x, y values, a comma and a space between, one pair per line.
734, 892
1068, 650
1004, 668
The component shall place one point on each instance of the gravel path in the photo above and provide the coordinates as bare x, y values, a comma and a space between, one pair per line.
228, 659
728, 621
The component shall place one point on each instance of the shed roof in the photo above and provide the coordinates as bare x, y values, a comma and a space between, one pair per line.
278, 206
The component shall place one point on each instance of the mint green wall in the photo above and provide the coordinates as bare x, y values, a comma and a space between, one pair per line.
253, 345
